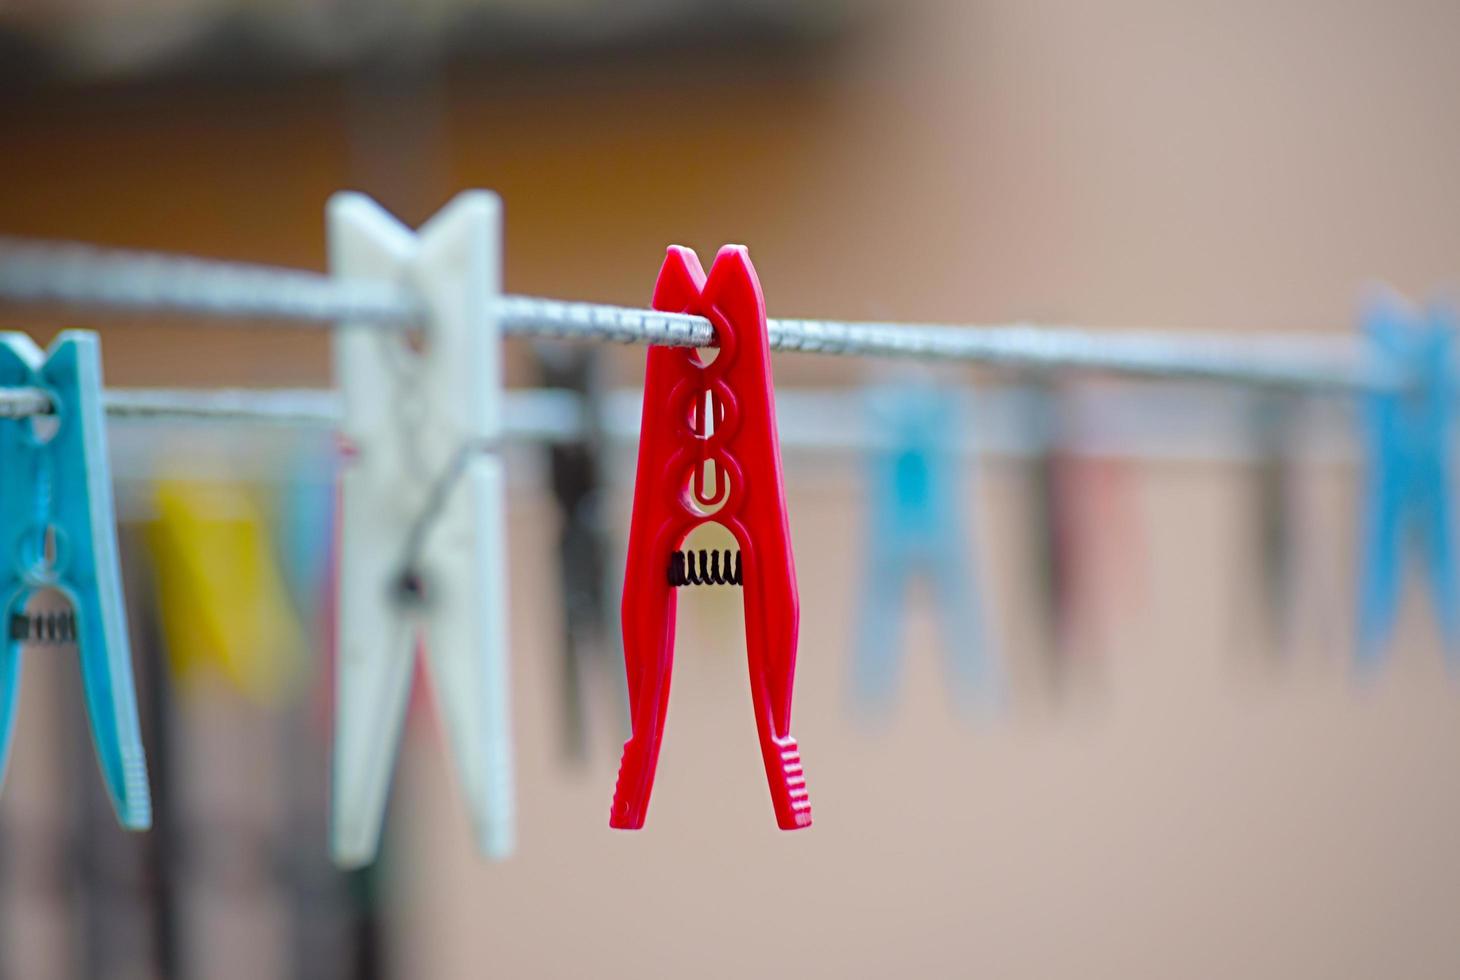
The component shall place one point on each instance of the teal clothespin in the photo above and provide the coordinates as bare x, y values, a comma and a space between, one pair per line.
1407, 474
304, 526
917, 533
58, 531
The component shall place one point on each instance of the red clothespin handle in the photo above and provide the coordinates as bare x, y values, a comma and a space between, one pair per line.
701, 419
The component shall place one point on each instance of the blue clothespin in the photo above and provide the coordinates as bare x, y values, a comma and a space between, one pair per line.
1407, 480
917, 532
58, 531
304, 524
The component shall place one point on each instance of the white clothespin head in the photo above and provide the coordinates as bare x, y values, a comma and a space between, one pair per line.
423, 542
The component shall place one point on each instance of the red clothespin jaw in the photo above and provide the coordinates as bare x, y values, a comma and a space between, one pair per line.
698, 418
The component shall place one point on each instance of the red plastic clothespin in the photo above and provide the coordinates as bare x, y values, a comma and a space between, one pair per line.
710, 425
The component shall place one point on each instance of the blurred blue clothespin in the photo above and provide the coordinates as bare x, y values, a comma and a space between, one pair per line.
1408, 437
917, 532
58, 531
304, 523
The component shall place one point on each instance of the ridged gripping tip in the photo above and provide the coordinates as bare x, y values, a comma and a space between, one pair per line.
629, 792
793, 811
136, 803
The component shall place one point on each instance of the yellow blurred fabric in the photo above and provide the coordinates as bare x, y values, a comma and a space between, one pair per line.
222, 598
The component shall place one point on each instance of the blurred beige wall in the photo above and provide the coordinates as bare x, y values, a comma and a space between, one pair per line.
1191, 810
1243, 165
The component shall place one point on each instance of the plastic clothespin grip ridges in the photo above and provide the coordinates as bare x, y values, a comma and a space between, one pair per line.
669, 503
1407, 474
408, 415
64, 483
917, 530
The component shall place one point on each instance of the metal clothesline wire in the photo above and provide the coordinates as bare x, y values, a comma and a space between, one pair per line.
79, 276
1171, 421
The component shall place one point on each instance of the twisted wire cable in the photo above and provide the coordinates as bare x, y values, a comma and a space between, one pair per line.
119, 281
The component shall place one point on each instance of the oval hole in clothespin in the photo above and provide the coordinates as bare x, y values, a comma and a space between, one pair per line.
43, 428
41, 554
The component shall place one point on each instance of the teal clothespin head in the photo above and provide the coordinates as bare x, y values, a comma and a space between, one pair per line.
1408, 436
304, 523
917, 534
58, 531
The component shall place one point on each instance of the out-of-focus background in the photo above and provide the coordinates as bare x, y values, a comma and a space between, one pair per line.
1172, 787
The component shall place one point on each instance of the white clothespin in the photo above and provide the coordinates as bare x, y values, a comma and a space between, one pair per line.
423, 544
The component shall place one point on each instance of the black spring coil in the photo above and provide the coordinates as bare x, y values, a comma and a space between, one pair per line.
684, 570
52, 627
